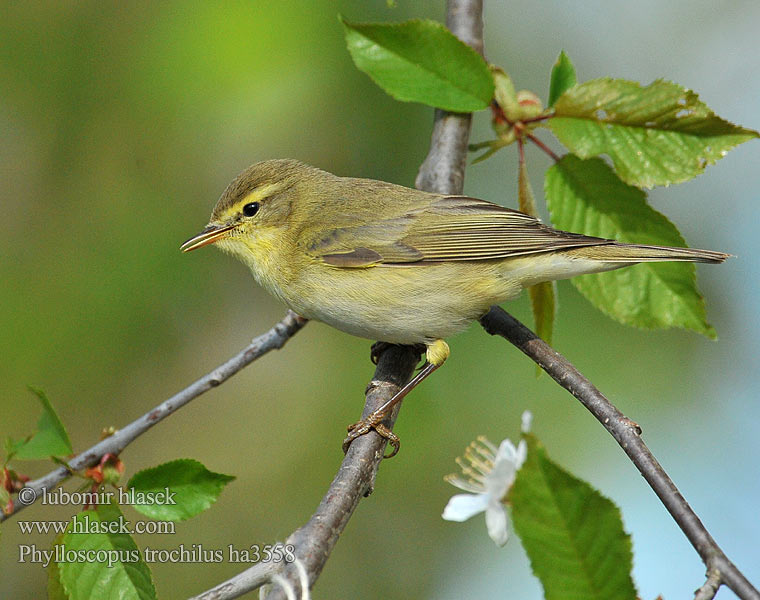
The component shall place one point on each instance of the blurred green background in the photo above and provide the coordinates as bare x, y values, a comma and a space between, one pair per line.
122, 123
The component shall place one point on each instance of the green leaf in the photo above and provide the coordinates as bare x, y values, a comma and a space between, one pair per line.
542, 295
586, 196
572, 534
192, 489
421, 61
544, 303
655, 135
88, 575
12, 446
51, 437
55, 589
563, 77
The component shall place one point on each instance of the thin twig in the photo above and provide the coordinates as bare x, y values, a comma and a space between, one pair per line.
315, 540
273, 339
543, 146
710, 587
250, 579
355, 478
536, 119
628, 435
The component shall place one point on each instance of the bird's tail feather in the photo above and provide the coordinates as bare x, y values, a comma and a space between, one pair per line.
635, 253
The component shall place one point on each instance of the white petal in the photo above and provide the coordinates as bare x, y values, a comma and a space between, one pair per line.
463, 506
503, 473
500, 479
521, 455
496, 523
527, 420
507, 451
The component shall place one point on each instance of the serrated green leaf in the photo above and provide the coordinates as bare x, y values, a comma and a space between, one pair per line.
192, 489
88, 575
586, 196
542, 295
421, 61
563, 77
55, 589
51, 437
655, 135
572, 534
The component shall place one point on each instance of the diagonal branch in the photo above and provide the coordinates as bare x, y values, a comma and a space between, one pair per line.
273, 339
628, 435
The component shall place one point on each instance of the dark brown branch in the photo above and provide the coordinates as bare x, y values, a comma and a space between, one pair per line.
628, 435
273, 339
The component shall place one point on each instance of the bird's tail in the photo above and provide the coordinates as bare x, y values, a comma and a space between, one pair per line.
636, 253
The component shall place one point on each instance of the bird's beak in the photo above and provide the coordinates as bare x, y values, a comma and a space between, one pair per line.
209, 235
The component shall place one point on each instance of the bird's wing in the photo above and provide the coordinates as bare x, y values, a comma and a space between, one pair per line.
449, 228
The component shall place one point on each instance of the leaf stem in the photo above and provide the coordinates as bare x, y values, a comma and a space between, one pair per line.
536, 119
543, 146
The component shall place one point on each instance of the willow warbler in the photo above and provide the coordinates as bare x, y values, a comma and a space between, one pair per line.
394, 264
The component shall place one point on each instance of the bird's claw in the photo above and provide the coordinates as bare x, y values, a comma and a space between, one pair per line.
364, 426
376, 350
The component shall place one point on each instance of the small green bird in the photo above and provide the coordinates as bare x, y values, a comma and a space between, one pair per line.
394, 264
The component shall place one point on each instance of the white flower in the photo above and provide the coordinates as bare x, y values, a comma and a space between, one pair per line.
488, 477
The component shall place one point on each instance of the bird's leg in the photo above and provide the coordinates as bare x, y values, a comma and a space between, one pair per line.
436, 354
379, 347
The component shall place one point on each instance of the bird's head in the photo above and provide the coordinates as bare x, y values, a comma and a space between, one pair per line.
255, 207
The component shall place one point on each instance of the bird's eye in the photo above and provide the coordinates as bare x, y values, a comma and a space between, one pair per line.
251, 209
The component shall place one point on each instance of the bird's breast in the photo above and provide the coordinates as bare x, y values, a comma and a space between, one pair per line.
404, 305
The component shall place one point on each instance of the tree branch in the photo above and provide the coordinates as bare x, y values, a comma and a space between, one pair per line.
315, 540
273, 339
250, 579
628, 435
442, 172
443, 169
710, 587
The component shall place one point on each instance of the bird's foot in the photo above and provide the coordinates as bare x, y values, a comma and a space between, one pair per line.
373, 421
377, 349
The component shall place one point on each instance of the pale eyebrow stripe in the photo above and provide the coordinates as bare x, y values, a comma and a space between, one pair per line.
255, 195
